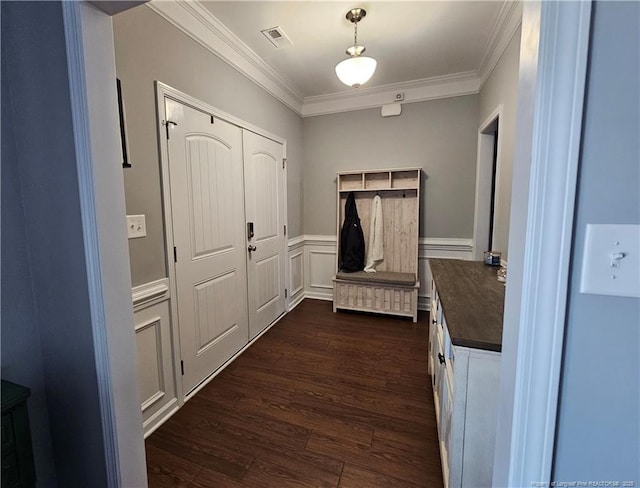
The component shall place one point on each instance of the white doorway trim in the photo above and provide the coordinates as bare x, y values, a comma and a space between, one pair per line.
95, 280
554, 55
165, 91
93, 103
484, 176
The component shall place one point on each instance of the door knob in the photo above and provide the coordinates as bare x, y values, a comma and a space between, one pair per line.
251, 248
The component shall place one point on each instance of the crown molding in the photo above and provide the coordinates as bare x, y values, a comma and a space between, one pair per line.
201, 25
506, 25
446, 86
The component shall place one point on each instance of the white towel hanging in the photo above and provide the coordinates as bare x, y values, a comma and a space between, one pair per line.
375, 250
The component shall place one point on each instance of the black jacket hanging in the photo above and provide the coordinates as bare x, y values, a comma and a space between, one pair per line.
351, 238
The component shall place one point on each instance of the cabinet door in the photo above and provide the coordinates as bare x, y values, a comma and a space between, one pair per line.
434, 299
433, 321
444, 406
447, 414
432, 348
438, 377
444, 391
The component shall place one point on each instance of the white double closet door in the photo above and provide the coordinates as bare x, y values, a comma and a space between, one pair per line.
227, 219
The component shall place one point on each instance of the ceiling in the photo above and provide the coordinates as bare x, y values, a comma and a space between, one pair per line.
414, 40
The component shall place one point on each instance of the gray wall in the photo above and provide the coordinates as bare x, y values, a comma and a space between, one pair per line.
598, 428
501, 88
439, 135
148, 48
34, 65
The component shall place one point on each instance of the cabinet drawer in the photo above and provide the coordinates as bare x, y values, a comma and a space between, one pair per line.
443, 351
438, 375
432, 350
449, 352
7, 433
9, 475
440, 344
18, 469
446, 338
447, 411
445, 434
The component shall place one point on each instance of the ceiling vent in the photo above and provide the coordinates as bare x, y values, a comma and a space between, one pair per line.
277, 37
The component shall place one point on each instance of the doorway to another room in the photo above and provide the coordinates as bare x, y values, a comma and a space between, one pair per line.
487, 184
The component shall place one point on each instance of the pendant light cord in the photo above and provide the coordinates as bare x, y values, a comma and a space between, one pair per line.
355, 34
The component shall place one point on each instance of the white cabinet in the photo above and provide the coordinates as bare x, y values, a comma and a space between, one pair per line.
465, 388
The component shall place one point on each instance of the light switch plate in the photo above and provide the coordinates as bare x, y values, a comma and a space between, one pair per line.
136, 226
611, 262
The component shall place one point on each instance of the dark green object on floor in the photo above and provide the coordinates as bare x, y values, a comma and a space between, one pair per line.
18, 470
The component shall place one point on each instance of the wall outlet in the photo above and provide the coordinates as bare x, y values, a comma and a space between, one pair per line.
136, 226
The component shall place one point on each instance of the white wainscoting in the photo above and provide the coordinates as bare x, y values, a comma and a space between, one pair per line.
296, 271
156, 377
319, 264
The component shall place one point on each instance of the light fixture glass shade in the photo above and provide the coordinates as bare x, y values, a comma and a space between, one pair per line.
356, 71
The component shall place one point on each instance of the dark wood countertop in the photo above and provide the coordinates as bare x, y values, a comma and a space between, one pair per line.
472, 302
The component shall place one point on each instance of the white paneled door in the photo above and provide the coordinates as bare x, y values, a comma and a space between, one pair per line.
207, 205
264, 207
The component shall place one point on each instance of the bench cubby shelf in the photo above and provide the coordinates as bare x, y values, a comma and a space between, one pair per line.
393, 289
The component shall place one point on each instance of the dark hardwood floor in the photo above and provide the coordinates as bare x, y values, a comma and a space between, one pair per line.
321, 400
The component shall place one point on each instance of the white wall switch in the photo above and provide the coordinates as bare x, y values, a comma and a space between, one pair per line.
136, 226
611, 262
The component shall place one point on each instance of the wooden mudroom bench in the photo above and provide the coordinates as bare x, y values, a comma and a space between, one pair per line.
384, 292
393, 288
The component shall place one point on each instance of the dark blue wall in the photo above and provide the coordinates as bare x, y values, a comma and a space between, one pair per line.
47, 338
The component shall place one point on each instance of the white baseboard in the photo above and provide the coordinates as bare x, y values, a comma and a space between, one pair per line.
424, 303
319, 296
295, 301
160, 417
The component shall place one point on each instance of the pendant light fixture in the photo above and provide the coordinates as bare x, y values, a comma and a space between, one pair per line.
357, 69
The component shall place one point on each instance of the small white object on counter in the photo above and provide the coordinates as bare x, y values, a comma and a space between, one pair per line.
502, 274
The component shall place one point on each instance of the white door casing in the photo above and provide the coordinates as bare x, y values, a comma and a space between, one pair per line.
264, 205
484, 176
553, 65
207, 205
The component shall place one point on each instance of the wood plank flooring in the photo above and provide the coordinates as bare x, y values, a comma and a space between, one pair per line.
321, 400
